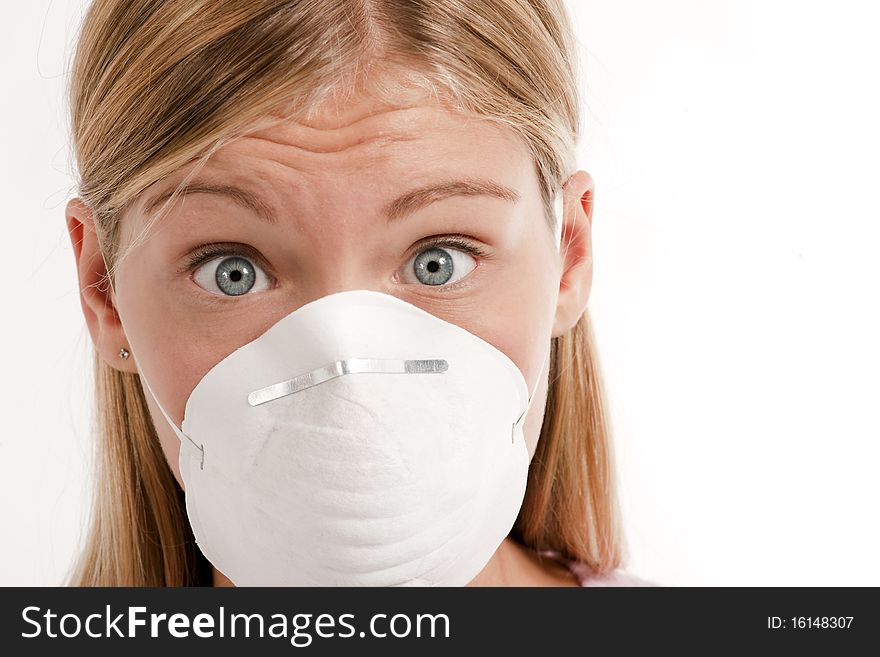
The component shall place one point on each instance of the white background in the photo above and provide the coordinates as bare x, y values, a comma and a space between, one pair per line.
734, 145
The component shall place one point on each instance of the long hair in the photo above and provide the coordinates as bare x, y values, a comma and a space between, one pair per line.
158, 84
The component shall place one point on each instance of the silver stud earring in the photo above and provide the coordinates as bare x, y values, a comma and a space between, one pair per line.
123, 353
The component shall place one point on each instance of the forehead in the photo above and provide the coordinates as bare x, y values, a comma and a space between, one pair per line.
365, 151
389, 105
367, 140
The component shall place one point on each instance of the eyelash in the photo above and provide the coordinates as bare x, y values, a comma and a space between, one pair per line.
457, 240
206, 252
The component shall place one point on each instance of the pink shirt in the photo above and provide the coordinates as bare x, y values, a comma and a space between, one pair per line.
587, 577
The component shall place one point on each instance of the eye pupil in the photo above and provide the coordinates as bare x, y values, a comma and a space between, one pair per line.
433, 266
235, 276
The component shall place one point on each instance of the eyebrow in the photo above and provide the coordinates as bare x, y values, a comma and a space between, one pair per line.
240, 196
396, 210
418, 198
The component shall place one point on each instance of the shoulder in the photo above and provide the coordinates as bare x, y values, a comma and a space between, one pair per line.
586, 576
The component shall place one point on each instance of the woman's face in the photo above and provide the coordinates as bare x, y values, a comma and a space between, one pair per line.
348, 201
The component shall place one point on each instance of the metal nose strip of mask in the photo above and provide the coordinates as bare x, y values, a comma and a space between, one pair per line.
342, 367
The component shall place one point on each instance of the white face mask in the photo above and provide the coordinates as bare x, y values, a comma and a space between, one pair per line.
359, 441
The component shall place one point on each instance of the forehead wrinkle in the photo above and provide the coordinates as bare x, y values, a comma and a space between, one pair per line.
370, 149
406, 124
367, 143
355, 159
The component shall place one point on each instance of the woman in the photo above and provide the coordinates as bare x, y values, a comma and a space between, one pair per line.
244, 165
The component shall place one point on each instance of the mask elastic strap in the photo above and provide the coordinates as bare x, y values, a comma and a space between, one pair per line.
531, 396
558, 209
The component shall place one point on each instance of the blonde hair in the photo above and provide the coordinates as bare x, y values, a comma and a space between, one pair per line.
156, 85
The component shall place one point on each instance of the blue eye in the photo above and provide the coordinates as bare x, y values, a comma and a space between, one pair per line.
230, 276
438, 266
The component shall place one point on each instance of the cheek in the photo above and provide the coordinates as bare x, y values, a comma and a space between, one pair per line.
174, 346
517, 316
522, 332
518, 320
167, 353
174, 342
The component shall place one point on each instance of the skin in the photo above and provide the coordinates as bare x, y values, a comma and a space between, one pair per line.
328, 182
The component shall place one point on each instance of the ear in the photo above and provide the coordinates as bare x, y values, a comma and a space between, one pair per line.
95, 293
576, 252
